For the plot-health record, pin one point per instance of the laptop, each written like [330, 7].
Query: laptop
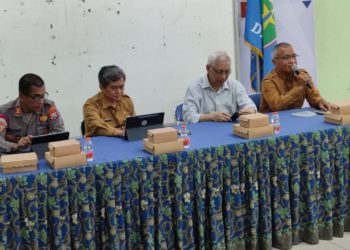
[40, 142]
[136, 126]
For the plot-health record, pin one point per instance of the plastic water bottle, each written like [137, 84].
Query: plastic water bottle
[185, 135]
[275, 121]
[89, 149]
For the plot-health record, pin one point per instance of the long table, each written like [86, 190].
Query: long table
[224, 192]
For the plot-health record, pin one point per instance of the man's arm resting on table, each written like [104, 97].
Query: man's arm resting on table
[224, 117]
[119, 132]
[313, 95]
[13, 147]
[324, 105]
[24, 141]
[217, 117]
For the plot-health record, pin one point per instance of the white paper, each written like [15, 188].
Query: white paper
[306, 113]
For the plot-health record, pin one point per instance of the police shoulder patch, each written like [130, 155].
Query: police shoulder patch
[3, 122]
[53, 113]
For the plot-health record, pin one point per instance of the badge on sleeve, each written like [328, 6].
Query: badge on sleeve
[3, 122]
[53, 114]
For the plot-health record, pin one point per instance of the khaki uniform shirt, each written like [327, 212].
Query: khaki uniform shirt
[102, 118]
[14, 123]
[278, 95]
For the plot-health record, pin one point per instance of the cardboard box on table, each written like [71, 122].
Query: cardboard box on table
[63, 148]
[64, 154]
[66, 161]
[162, 148]
[253, 120]
[340, 108]
[15, 163]
[162, 140]
[253, 132]
[337, 119]
[161, 135]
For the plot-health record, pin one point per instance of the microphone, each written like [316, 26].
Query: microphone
[296, 71]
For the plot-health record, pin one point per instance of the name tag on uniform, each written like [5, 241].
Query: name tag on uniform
[108, 120]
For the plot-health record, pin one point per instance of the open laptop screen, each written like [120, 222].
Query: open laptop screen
[40, 142]
[136, 126]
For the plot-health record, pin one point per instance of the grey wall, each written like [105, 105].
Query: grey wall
[162, 45]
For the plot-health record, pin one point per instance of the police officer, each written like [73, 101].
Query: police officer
[29, 115]
[106, 112]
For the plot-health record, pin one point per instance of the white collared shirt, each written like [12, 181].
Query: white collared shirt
[201, 98]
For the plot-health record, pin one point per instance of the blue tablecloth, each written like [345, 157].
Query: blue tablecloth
[223, 191]
[204, 135]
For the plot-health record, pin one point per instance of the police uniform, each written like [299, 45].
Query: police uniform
[102, 118]
[14, 123]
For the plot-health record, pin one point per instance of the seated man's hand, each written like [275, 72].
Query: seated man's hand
[119, 132]
[24, 141]
[303, 78]
[247, 111]
[324, 105]
[220, 117]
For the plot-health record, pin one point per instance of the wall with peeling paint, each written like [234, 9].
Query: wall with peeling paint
[162, 45]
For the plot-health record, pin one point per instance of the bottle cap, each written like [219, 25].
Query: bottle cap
[87, 139]
[275, 113]
[183, 126]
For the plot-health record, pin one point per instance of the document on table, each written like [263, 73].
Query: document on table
[305, 113]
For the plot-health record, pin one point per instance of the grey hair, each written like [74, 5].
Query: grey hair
[280, 45]
[218, 56]
[110, 74]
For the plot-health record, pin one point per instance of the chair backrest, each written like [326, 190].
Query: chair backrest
[178, 113]
[82, 127]
[256, 99]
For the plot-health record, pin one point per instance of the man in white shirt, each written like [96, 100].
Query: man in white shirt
[214, 97]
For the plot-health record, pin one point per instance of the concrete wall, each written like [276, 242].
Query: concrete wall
[332, 48]
[162, 45]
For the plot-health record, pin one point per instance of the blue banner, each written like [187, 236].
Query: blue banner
[260, 37]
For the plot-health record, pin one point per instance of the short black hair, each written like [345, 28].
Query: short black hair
[27, 81]
[110, 74]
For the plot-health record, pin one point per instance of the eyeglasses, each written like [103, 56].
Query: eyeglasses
[38, 97]
[221, 72]
[287, 57]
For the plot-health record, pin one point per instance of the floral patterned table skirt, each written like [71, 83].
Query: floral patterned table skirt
[271, 192]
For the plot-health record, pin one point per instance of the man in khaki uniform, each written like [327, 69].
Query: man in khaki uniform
[30, 114]
[282, 89]
[106, 112]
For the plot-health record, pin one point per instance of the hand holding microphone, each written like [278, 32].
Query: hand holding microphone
[297, 72]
